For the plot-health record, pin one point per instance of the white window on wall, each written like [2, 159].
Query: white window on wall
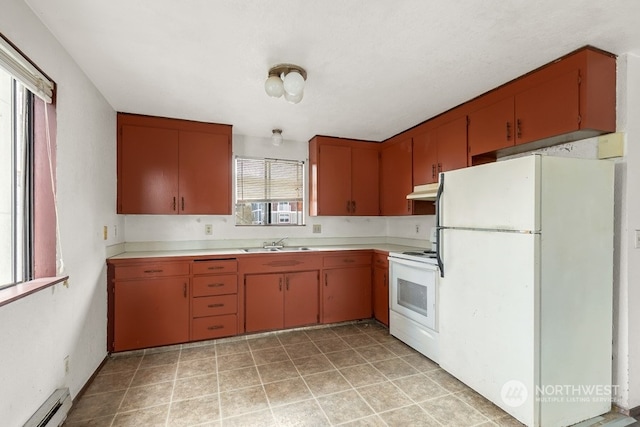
[27, 154]
[269, 192]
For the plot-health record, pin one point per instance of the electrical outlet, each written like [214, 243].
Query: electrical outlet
[417, 228]
[66, 365]
[317, 228]
[105, 232]
[208, 229]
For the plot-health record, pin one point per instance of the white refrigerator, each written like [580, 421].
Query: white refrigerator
[526, 250]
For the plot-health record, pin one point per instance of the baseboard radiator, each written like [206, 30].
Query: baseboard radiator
[53, 411]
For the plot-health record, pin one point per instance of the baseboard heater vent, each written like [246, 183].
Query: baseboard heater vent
[53, 412]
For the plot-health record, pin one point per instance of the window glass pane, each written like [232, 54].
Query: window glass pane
[15, 191]
[269, 192]
[6, 174]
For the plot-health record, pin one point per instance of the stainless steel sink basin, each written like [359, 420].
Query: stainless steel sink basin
[284, 249]
[295, 249]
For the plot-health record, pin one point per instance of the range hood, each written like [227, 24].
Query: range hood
[424, 192]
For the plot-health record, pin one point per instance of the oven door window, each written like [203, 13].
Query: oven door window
[414, 297]
[413, 292]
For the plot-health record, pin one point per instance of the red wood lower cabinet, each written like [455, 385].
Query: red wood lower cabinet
[151, 312]
[381, 288]
[276, 301]
[346, 294]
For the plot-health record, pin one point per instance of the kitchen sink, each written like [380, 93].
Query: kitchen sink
[295, 249]
[283, 249]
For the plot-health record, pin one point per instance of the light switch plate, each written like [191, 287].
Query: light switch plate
[317, 228]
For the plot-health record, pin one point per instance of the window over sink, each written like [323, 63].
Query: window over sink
[269, 191]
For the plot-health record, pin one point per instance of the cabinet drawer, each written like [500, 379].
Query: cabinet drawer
[214, 327]
[215, 266]
[347, 260]
[380, 260]
[215, 285]
[152, 270]
[214, 306]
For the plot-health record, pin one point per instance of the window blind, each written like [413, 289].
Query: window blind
[269, 180]
[22, 70]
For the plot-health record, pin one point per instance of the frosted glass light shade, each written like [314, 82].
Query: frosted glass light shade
[274, 87]
[294, 83]
[293, 99]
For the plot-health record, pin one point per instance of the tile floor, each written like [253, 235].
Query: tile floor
[351, 374]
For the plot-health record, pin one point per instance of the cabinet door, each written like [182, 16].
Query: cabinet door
[148, 170]
[396, 180]
[452, 145]
[364, 181]
[205, 173]
[381, 294]
[425, 158]
[549, 109]
[334, 180]
[301, 299]
[492, 128]
[264, 302]
[346, 294]
[149, 313]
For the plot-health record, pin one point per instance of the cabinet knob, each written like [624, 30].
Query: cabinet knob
[215, 285]
[215, 305]
[182, 202]
[508, 131]
[519, 128]
[174, 203]
[349, 206]
[214, 327]
[185, 290]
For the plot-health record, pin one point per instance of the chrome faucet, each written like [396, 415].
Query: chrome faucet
[275, 244]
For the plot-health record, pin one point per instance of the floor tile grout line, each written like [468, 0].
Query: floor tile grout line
[173, 388]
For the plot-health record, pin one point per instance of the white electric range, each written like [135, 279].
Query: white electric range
[413, 300]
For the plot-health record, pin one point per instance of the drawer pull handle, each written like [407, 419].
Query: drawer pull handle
[153, 271]
[215, 305]
[213, 328]
[215, 285]
[348, 260]
[217, 267]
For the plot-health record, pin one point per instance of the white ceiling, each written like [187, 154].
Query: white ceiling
[375, 67]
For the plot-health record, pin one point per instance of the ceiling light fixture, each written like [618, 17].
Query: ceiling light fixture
[276, 137]
[287, 80]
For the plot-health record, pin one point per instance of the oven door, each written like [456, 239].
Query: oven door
[412, 290]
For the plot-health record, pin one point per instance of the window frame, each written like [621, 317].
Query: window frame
[42, 237]
[271, 214]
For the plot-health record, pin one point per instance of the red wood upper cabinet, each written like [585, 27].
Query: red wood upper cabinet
[492, 127]
[205, 173]
[168, 166]
[396, 178]
[425, 158]
[343, 177]
[548, 109]
[148, 170]
[452, 144]
[438, 150]
[569, 99]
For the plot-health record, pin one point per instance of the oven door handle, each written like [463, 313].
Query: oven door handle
[439, 225]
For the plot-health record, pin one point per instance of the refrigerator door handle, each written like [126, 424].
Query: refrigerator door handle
[438, 225]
